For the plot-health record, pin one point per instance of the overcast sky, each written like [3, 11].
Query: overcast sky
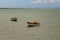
[29, 3]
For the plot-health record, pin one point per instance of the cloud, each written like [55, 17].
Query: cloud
[45, 1]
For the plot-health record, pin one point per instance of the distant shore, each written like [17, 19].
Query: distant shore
[29, 8]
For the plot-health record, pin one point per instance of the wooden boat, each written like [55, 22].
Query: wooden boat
[33, 24]
[13, 19]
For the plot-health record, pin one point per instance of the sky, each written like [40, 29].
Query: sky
[29, 3]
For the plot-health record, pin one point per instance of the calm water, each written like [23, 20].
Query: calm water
[49, 29]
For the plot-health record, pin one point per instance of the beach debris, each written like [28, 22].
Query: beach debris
[13, 19]
[33, 24]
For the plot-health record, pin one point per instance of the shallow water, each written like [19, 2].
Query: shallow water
[49, 28]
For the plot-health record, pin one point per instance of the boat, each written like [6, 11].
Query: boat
[33, 24]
